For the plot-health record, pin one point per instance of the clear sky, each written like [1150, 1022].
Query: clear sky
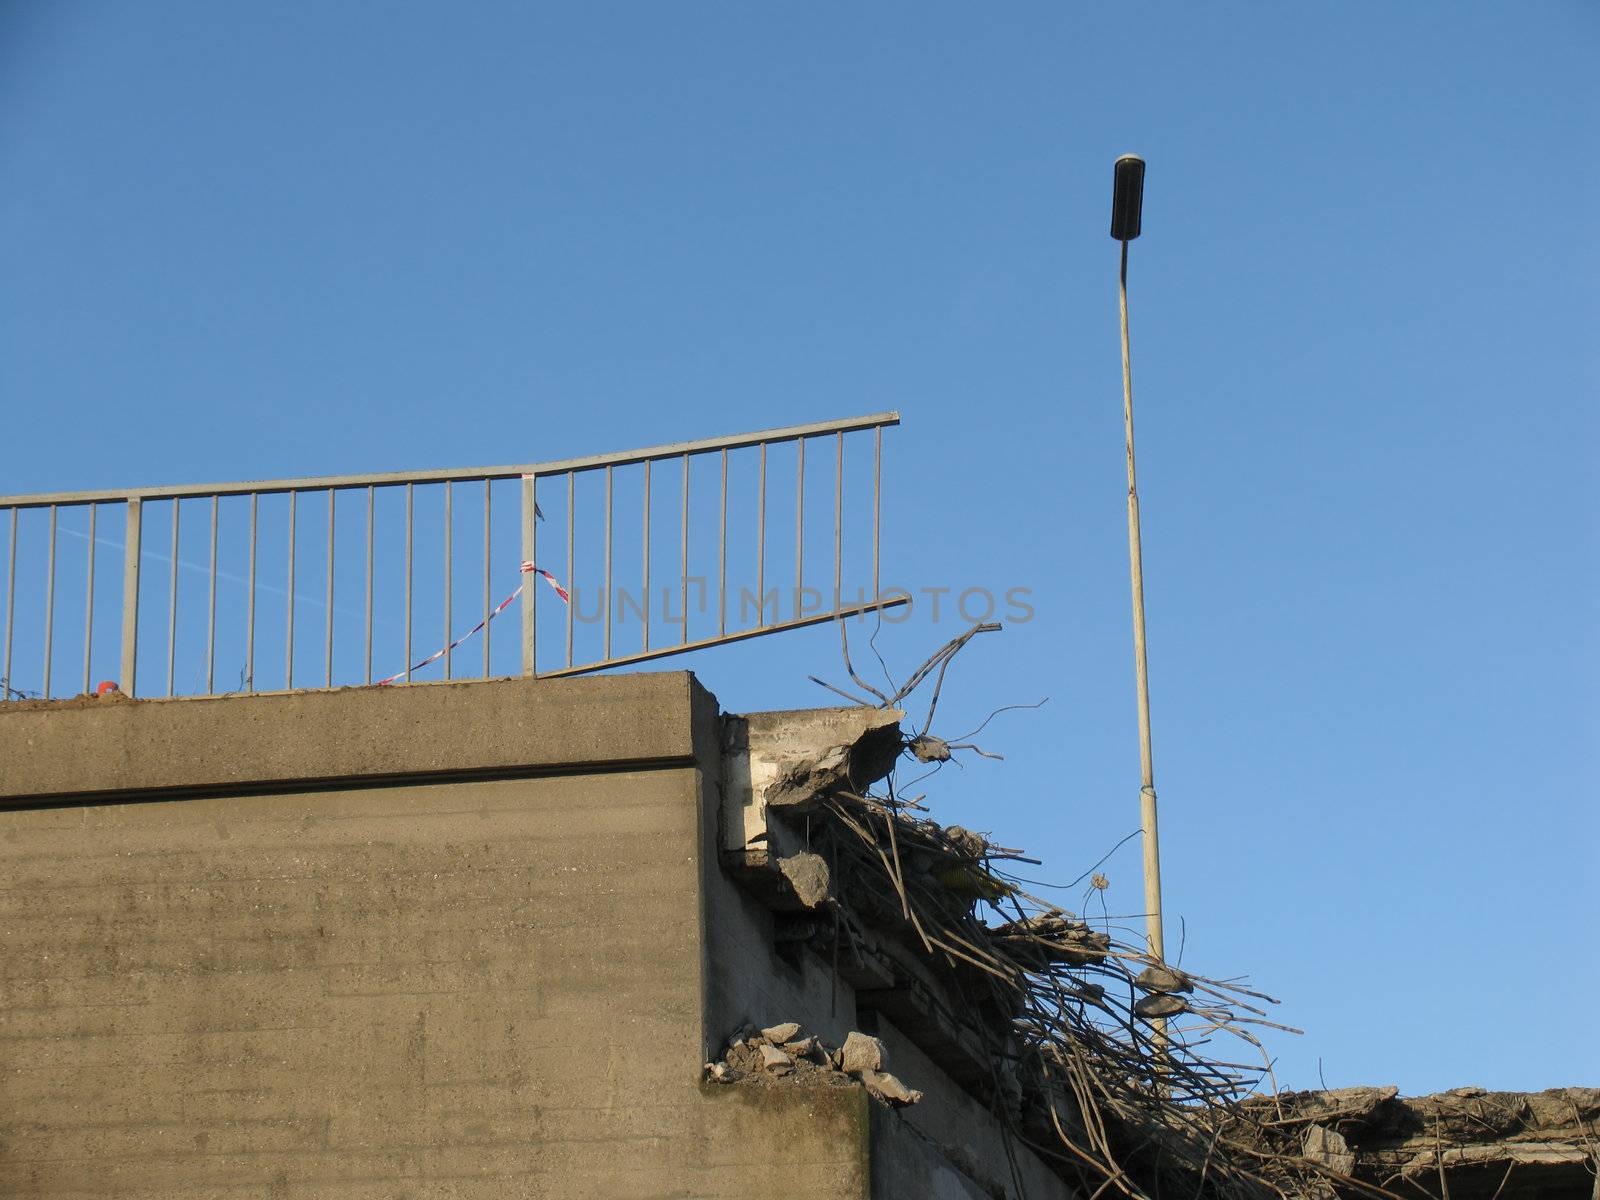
[247, 241]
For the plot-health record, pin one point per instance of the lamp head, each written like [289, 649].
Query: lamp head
[1127, 197]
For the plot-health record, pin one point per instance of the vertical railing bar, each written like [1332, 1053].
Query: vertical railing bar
[449, 568]
[211, 605]
[530, 595]
[683, 603]
[647, 554]
[799, 524]
[369, 584]
[877, 472]
[722, 554]
[11, 602]
[88, 602]
[288, 642]
[50, 603]
[838, 517]
[172, 594]
[250, 604]
[130, 597]
[606, 595]
[488, 490]
[571, 525]
[410, 496]
[327, 650]
[761, 541]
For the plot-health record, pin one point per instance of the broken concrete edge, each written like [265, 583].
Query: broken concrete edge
[784, 1052]
[792, 759]
[814, 755]
[1546, 1141]
[787, 762]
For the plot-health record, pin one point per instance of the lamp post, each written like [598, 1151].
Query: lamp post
[1126, 205]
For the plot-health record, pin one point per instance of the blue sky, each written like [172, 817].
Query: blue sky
[244, 242]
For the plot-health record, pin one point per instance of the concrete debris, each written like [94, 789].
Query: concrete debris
[805, 1047]
[1161, 978]
[1057, 937]
[890, 1090]
[1159, 1005]
[1514, 1145]
[860, 1053]
[815, 754]
[780, 1056]
[928, 748]
[1326, 1146]
[966, 843]
[808, 875]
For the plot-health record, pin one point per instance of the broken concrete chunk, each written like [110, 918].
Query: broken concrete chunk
[889, 1089]
[1159, 1005]
[805, 1047]
[808, 875]
[723, 1073]
[826, 750]
[1159, 977]
[1070, 941]
[928, 748]
[1327, 1147]
[745, 1033]
[861, 1053]
[779, 1034]
[776, 1061]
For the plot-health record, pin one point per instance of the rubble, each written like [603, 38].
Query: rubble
[808, 877]
[783, 1055]
[861, 1053]
[1158, 977]
[1477, 1144]
[890, 1090]
[1094, 1053]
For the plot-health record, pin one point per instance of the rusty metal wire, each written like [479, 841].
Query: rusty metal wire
[1067, 1011]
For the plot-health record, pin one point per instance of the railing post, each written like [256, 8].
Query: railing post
[530, 594]
[130, 598]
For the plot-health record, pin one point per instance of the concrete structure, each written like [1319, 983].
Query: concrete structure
[446, 940]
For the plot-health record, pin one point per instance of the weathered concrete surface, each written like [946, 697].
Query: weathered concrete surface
[1471, 1143]
[224, 742]
[460, 941]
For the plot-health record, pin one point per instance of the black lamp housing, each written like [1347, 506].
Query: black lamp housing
[1127, 198]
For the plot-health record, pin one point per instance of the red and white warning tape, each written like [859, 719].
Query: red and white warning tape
[528, 568]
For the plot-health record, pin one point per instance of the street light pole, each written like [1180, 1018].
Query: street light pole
[1127, 203]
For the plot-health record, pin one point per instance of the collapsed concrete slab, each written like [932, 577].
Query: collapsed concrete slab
[1466, 1143]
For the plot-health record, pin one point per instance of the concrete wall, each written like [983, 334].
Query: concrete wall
[440, 941]
[485, 985]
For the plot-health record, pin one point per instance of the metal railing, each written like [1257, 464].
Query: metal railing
[391, 518]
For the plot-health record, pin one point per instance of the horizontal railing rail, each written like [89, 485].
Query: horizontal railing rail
[560, 505]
